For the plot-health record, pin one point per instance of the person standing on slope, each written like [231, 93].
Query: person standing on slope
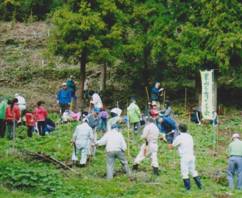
[134, 115]
[184, 142]
[82, 139]
[235, 162]
[150, 147]
[115, 149]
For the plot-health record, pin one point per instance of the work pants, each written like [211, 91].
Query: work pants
[2, 128]
[30, 130]
[111, 157]
[41, 127]
[11, 129]
[149, 150]
[188, 166]
[235, 169]
[83, 152]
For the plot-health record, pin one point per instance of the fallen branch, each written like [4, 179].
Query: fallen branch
[48, 158]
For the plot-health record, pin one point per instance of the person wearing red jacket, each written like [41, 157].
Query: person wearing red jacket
[12, 117]
[40, 114]
[29, 121]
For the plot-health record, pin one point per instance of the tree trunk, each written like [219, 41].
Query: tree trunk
[198, 89]
[83, 61]
[103, 77]
[146, 66]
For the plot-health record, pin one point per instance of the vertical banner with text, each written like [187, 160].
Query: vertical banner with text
[208, 94]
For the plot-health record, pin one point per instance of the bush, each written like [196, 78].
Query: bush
[27, 178]
[21, 10]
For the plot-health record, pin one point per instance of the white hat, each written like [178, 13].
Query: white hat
[153, 103]
[64, 84]
[117, 111]
[16, 95]
[235, 135]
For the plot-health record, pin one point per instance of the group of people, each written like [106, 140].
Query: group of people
[158, 125]
[14, 112]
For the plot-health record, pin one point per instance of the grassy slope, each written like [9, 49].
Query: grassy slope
[20, 51]
[91, 182]
[26, 65]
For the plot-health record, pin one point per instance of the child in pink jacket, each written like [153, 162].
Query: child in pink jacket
[40, 114]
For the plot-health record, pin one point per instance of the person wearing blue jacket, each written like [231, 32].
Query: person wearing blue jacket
[64, 98]
[169, 127]
[155, 93]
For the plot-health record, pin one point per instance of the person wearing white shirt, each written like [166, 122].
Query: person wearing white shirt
[96, 101]
[150, 147]
[21, 102]
[82, 138]
[115, 117]
[115, 148]
[184, 142]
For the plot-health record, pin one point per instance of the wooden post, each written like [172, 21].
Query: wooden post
[216, 130]
[185, 104]
[128, 146]
[164, 98]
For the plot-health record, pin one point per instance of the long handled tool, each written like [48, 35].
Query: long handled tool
[148, 100]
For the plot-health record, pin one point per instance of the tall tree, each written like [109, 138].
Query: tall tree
[200, 35]
[75, 34]
[87, 31]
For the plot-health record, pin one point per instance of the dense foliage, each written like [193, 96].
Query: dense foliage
[23, 10]
[156, 39]
[149, 39]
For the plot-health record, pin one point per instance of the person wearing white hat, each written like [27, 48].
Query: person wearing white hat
[115, 114]
[81, 140]
[96, 101]
[235, 162]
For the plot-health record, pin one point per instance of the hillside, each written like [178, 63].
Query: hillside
[129, 45]
[24, 67]
[23, 176]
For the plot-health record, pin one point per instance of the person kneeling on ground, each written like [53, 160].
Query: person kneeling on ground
[184, 142]
[81, 140]
[115, 148]
[150, 147]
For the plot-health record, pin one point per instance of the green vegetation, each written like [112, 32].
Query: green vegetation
[24, 176]
[158, 38]
[130, 43]
[27, 10]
